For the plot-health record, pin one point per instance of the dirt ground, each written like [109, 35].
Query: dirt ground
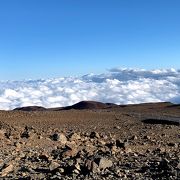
[145, 127]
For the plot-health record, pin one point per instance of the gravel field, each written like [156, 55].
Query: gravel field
[114, 142]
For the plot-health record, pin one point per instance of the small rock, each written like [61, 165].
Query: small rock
[105, 163]
[18, 146]
[61, 170]
[120, 144]
[178, 166]
[128, 150]
[77, 166]
[114, 149]
[75, 137]
[161, 149]
[134, 137]
[70, 153]
[40, 137]
[7, 170]
[25, 134]
[117, 127]
[70, 163]
[62, 138]
[172, 144]
[101, 142]
[44, 157]
[53, 165]
[55, 137]
[163, 135]
[2, 134]
[90, 149]
[105, 137]
[71, 144]
[1, 164]
[76, 171]
[88, 164]
[147, 137]
[94, 135]
[94, 167]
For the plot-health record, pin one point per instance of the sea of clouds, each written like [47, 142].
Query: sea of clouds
[120, 86]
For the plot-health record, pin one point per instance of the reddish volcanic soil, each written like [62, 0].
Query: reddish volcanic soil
[110, 142]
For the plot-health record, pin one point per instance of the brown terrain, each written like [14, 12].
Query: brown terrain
[91, 140]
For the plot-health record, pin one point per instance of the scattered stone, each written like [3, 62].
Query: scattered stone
[128, 150]
[134, 137]
[7, 170]
[40, 137]
[2, 134]
[75, 137]
[94, 135]
[53, 165]
[88, 164]
[147, 137]
[120, 144]
[117, 127]
[44, 157]
[76, 171]
[61, 170]
[25, 134]
[102, 142]
[114, 149]
[77, 166]
[94, 167]
[172, 144]
[105, 163]
[62, 138]
[75, 154]
[161, 149]
[70, 153]
[178, 166]
[55, 137]
[1, 164]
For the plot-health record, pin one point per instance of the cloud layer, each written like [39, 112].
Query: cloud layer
[120, 86]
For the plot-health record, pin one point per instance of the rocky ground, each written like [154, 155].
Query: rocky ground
[118, 142]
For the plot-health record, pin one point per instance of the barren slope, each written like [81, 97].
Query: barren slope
[126, 136]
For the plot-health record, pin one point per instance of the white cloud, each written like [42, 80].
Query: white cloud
[121, 86]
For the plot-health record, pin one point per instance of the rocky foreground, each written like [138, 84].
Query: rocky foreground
[106, 144]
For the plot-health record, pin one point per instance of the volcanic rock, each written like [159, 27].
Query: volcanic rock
[53, 165]
[105, 163]
[9, 168]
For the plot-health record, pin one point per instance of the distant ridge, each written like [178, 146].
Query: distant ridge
[82, 105]
[90, 105]
[78, 106]
[30, 108]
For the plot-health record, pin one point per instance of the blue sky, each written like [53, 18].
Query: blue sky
[50, 38]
